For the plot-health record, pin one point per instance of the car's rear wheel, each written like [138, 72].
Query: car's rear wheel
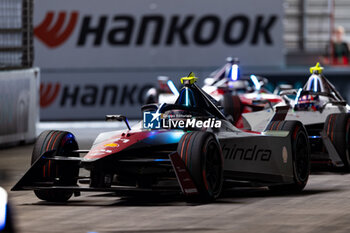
[232, 106]
[337, 127]
[53, 171]
[202, 156]
[300, 155]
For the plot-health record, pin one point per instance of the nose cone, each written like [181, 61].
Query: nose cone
[115, 144]
[164, 137]
[124, 141]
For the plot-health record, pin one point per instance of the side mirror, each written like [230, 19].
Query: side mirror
[118, 118]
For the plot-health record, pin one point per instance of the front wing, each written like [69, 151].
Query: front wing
[32, 180]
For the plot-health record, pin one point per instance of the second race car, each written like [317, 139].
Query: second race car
[325, 114]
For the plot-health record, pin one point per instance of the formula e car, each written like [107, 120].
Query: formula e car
[235, 93]
[189, 147]
[325, 114]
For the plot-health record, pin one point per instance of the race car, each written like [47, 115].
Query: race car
[235, 93]
[325, 114]
[187, 147]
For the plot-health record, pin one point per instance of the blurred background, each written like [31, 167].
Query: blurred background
[79, 60]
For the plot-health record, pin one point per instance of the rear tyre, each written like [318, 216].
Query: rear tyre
[337, 127]
[53, 171]
[202, 156]
[232, 106]
[300, 155]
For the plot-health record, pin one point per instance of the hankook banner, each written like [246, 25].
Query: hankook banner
[156, 33]
[85, 96]
[99, 56]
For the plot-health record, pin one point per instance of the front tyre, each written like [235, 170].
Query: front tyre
[53, 171]
[202, 156]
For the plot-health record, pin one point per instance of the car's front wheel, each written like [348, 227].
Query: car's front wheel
[202, 156]
[56, 172]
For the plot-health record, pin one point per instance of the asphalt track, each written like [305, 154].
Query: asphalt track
[324, 206]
